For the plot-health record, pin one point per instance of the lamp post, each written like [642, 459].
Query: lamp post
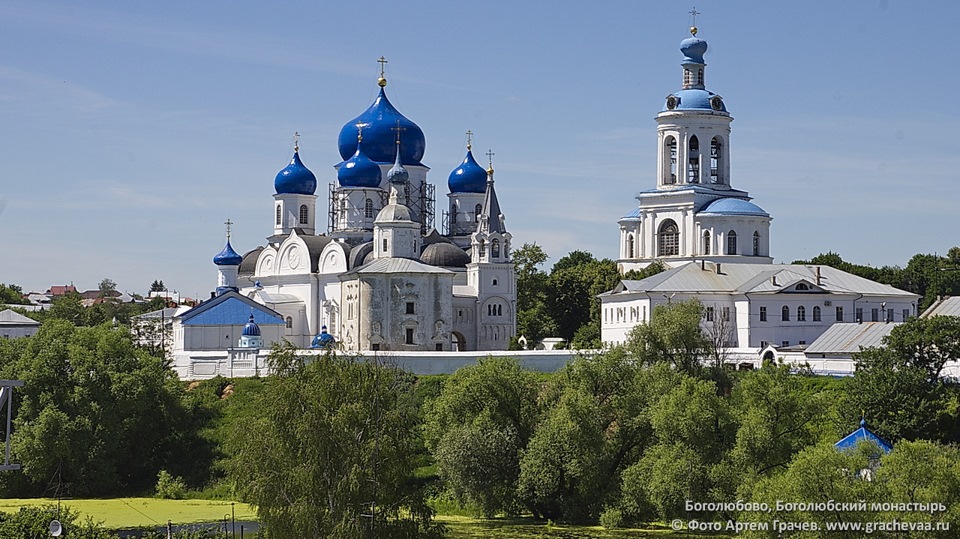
[233, 520]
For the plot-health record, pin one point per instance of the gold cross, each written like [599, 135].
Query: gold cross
[490, 155]
[693, 14]
[296, 141]
[383, 62]
[228, 223]
[398, 129]
[469, 139]
[360, 127]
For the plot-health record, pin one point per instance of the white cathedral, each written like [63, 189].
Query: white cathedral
[715, 243]
[380, 277]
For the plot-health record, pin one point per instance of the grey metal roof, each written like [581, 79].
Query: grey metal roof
[9, 317]
[849, 338]
[396, 265]
[733, 278]
[949, 306]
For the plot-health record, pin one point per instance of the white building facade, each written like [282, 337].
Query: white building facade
[380, 277]
[715, 243]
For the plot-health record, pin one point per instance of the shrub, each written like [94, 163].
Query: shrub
[170, 487]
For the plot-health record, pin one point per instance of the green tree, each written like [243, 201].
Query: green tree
[673, 335]
[94, 411]
[477, 429]
[11, 294]
[107, 288]
[157, 286]
[534, 321]
[332, 451]
[899, 386]
[596, 426]
[575, 282]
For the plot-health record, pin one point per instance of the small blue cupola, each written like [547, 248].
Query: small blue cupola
[227, 257]
[359, 170]
[379, 123]
[250, 335]
[853, 439]
[398, 174]
[469, 177]
[295, 178]
[323, 340]
[251, 329]
[693, 49]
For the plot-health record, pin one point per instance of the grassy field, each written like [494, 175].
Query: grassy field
[119, 513]
[132, 512]
[472, 528]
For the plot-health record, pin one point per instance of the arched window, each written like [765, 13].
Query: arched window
[816, 313]
[731, 243]
[476, 213]
[384, 244]
[630, 246]
[756, 243]
[706, 242]
[716, 153]
[669, 236]
[801, 314]
[671, 157]
[495, 248]
[368, 209]
[289, 322]
[483, 248]
[304, 214]
[802, 286]
[279, 215]
[453, 215]
[693, 161]
[785, 314]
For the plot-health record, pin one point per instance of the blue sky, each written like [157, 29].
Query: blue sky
[130, 131]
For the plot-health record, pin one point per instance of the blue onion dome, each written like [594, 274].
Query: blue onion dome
[469, 177]
[693, 49]
[379, 123]
[251, 329]
[398, 174]
[228, 257]
[295, 178]
[359, 170]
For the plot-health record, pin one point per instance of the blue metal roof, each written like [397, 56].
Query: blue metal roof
[694, 99]
[635, 214]
[469, 177]
[230, 309]
[693, 49]
[732, 206]
[851, 440]
[295, 178]
[379, 123]
[227, 257]
[359, 170]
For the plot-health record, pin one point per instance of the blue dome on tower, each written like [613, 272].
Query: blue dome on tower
[228, 257]
[379, 123]
[359, 170]
[469, 177]
[693, 49]
[398, 174]
[733, 206]
[295, 178]
[251, 329]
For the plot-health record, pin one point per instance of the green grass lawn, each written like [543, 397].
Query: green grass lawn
[133, 512]
[460, 527]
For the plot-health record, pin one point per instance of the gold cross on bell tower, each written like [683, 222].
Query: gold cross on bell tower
[228, 223]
